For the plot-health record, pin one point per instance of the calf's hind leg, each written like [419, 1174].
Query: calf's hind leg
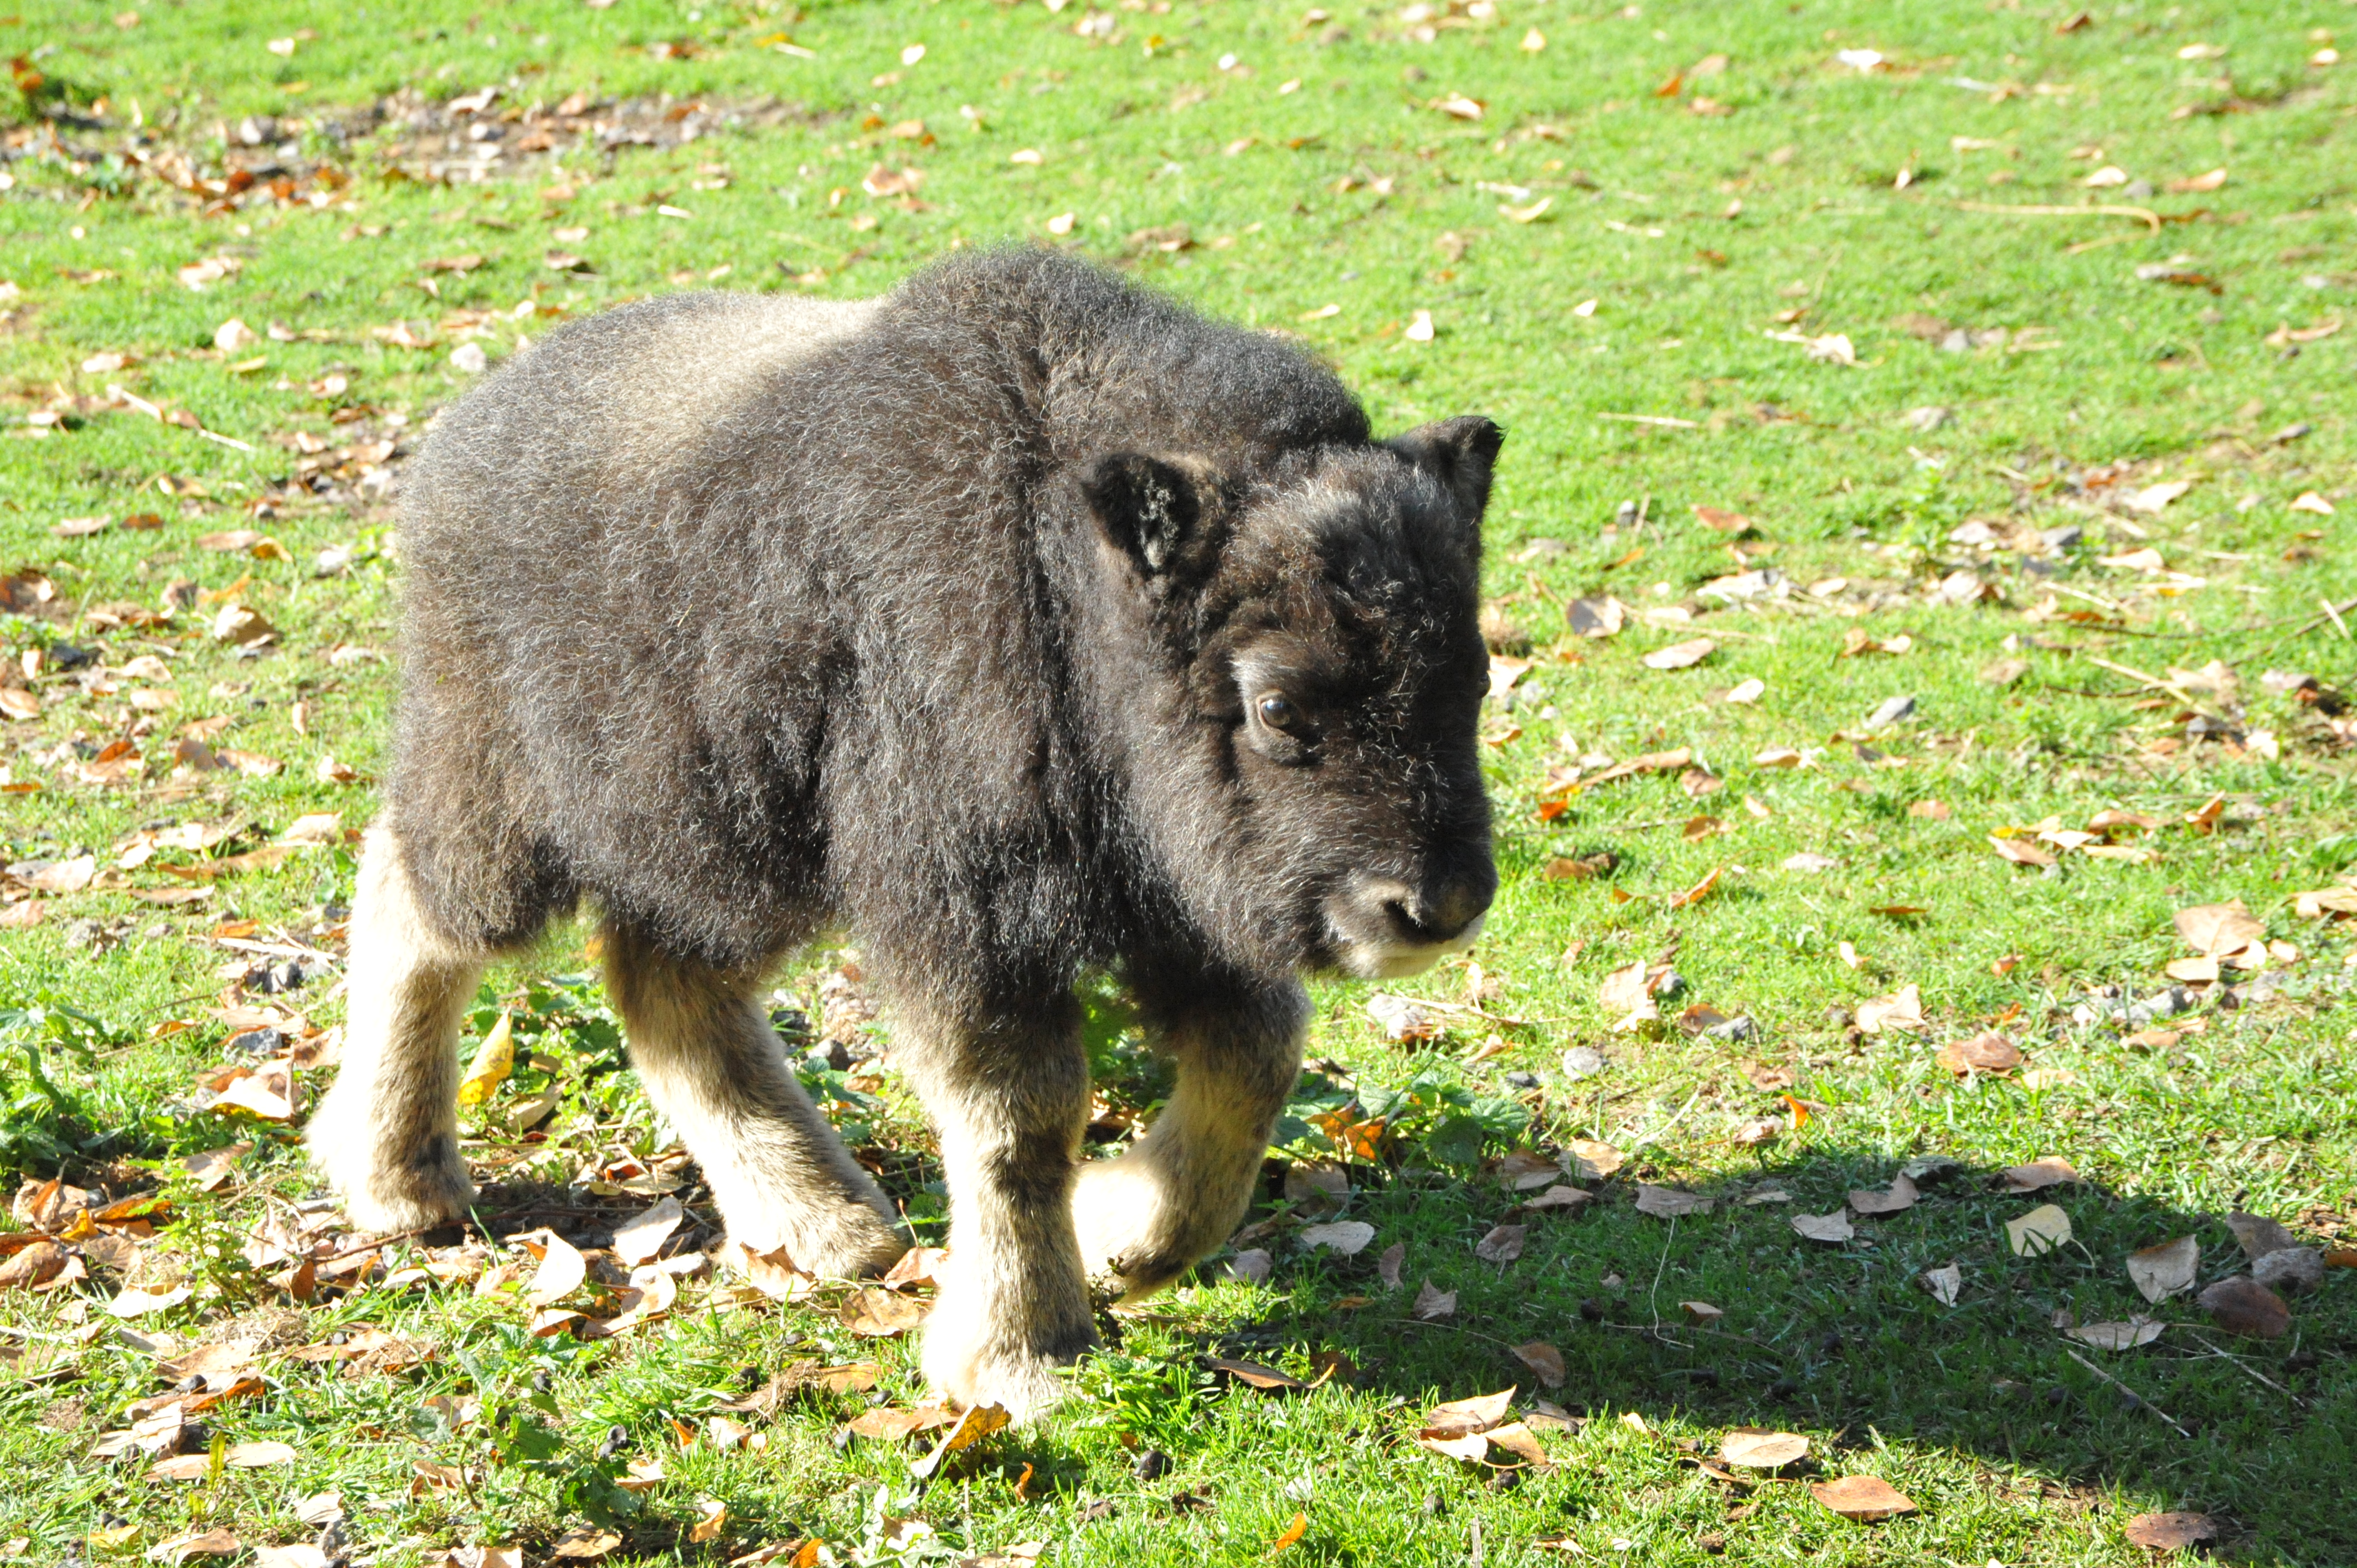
[715, 1070]
[1147, 1216]
[387, 1134]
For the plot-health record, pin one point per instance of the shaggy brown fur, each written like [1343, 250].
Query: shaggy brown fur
[1018, 622]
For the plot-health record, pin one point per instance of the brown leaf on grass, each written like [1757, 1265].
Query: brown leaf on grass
[1720, 522]
[2169, 1532]
[1503, 1244]
[1524, 1171]
[2037, 1232]
[1433, 1304]
[1758, 1448]
[919, 1268]
[1559, 1197]
[1896, 1198]
[1478, 1414]
[1681, 655]
[1699, 891]
[1387, 1266]
[562, 1268]
[2243, 1306]
[643, 1238]
[584, 1543]
[2163, 1270]
[1674, 761]
[1669, 1202]
[156, 1434]
[1862, 1498]
[2126, 1336]
[774, 1274]
[34, 1264]
[2259, 1235]
[1596, 617]
[1987, 1052]
[2039, 1175]
[1901, 1010]
[211, 1168]
[711, 1515]
[1594, 1161]
[892, 1425]
[971, 1428]
[1832, 1227]
[1254, 1375]
[2021, 852]
[196, 1544]
[1545, 1361]
[878, 1313]
[2215, 931]
[1343, 1238]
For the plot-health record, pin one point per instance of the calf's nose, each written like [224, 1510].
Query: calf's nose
[1442, 909]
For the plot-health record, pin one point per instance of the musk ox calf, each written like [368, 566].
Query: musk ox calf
[1015, 623]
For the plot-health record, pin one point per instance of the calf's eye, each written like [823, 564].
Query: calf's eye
[1277, 713]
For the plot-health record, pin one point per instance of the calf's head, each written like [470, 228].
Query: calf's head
[1305, 752]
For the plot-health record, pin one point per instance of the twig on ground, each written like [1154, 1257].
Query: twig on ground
[2138, 1398]
[2247, 1367]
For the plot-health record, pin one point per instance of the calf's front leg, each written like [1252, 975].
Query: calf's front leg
[1148, 1215]
[1009, 1098]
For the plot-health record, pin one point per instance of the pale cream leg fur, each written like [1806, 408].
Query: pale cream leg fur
[1014, 1303]
[719, 1073]
[1145, 1216]
[387, 1134]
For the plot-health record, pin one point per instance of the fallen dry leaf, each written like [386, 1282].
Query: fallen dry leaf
[1593, 1161]
[1896, 1198]
[1681, 655]
[643, 1238]
[195, 1543]
[586, 1543]
[2125, 1335]
[2161, 1272]
[1669, 1202]
[562, 1270]
[1545, 1361]
[2259, 1235]
[1432, 1305]
[1292, 1533]
[1902, 1010]
[1988, 1052]
[1862, 1498]
[2243, 1306]
[1832, 1227]
[1388, 1266]
[1343, 1238]
[1253, 1374]
[2169, 1532]
[1757, 1448]
[1944, 1283]
[2039, 1175]
[2213, 930]
[2037, 1232]
[1503, 1244]
[879, 1313]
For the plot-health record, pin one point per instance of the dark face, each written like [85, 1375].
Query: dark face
[1333, 672]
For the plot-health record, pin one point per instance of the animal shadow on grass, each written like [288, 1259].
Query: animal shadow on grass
[1846, 1338]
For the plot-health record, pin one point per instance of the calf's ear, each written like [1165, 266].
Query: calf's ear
[1145, 506]
[1461, 452]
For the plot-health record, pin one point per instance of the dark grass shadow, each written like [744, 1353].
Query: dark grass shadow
[1845, 1340]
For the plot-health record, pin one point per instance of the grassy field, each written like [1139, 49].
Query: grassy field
[1930, 465]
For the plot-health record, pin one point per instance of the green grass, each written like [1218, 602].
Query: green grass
[1692, 232]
